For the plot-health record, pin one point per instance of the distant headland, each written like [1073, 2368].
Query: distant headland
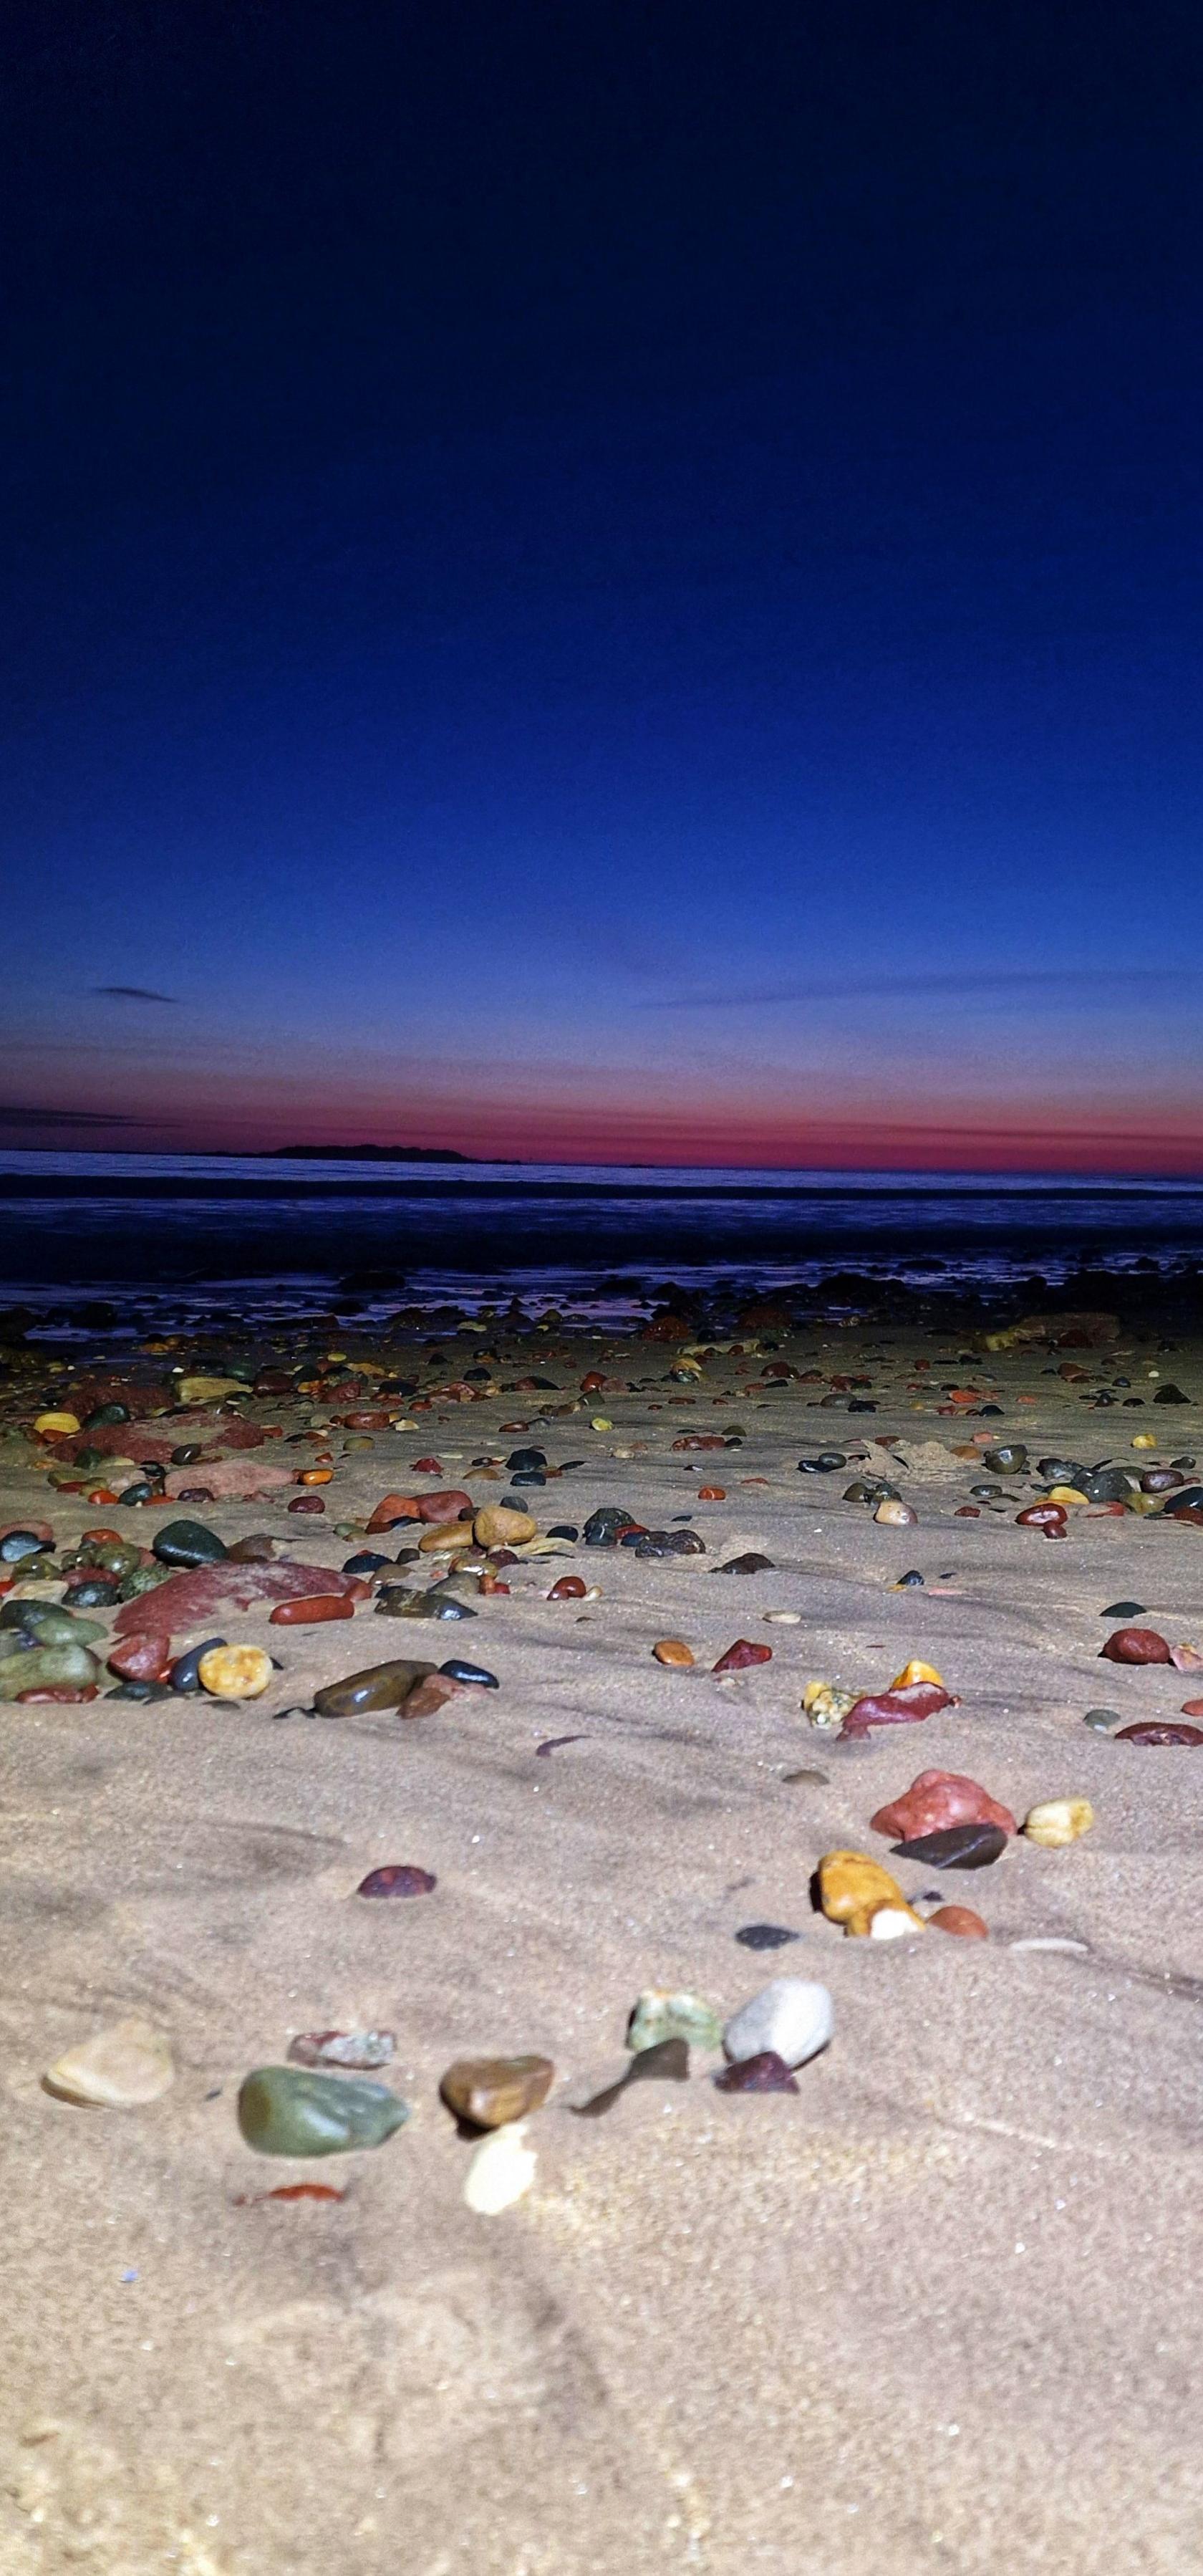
[366, 1154]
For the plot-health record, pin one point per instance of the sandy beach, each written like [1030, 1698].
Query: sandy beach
[935, 2312]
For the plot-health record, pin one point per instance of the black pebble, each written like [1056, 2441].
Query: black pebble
[956, 1847]
[459, 1671]
[1123, 1610]
[765, 1936]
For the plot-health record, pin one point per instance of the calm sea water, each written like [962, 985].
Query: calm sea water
[179, 1234]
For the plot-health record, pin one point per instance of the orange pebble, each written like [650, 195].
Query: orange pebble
[712, 1493]
[314, 1607]
[315, 1476]
[960, 1919]
[672, 1650]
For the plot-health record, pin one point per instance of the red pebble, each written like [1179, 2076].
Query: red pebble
[960, 1919]
[1157, 1731]
[397, 1878]
[450, 1506]
[740, 1655]
[61, 1695]
[935, 1800]
[1041, 1516]
[569, 1588]
[897, 1707]
[395, 1507]
[145, 1657]
[308, 1613]
[289, 2191]
[717, 1493]
[307, 1503]
[1192, 1708]
[967, 1512]
[766, 2073]
[428, 1466]
[1135, 1646]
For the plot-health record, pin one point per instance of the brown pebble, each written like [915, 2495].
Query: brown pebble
[489, 2091]
[766, 2073]
[960, 1919]
[672, 1650]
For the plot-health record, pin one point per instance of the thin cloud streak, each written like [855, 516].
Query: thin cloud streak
[132, 993]
[827, 985]
[20, 1116]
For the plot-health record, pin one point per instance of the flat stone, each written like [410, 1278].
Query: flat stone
[764, 2073]
[119, 2070]
[376, 1686]
[286, 2111]
[662, 2013]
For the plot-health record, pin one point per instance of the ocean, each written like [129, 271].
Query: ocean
[176, 1237]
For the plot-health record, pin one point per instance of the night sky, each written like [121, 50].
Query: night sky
[614, 582]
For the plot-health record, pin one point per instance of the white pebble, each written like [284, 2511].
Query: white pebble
[790, 2016]
[501, 2171]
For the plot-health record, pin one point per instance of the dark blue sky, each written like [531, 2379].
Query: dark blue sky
[606, 580]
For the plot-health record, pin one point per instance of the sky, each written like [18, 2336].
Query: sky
[605, 582]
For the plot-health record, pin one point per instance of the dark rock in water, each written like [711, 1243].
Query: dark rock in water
[188, 1544]
[666, 2062]
[477, 1675]
[766, 2073]
[398, 1878]
[376, 1686]
[751, 1562]
[956, 1847]
[1124, 1610]
[1158, 1731]
[765, 1936]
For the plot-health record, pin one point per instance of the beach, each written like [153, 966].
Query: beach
[932, 2311]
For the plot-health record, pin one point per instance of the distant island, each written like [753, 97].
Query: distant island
[366, 1154]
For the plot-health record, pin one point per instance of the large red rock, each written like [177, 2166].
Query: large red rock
[186, 1598]
[1136, 1646]
[897, 1707]
[937, 1799]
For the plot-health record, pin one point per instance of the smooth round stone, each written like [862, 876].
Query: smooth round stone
[351, 2048]
[764, 2073]
[119, 2070]
[289, 2111]
[1165, 1731]
[490, 2092]
[971, 1846]
[188, 1544]
[235, 1672]
[1009, 1459]
[377, 1686]
[477, 1676]
[1135, 1646]
[398, 1878]
[1058, 1822]
[1064, 1471]
[751, 1562]
[17, 1544]
[398, 1602]
[1110, 1485]
[48, 1668]
[765, 1936]
[826, 1464]
[790, 2018]
[1101, 1720]
[47, 1624]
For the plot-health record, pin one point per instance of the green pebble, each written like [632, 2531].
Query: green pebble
[50, 1625]
[658, 2016]
[1101, 1720]
[188, 1544]
[377, 1686]
[48, 1668]
[286, 2111]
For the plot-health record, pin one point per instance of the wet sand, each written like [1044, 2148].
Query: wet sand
[936, 2313]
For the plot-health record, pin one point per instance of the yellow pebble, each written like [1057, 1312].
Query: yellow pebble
[209, 1390]
[917, 1672]
[51, 1423]
[1058, 1822]
[1144, 1440]
[672, 1650]
[235, 1672]
[498, 1525]
[600, 1422]
[1065, 1494]
[894, 1514]
[853, 1888]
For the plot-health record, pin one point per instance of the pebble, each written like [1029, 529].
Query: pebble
[937, 1800]
[662, 2013]
[47, 1668]
[119, 2070]
[498, 1526]
[313, 1611]
[1155, 1731]
[1102, 1720]
[492, 2092]
[286, 2111]
[738, 1657]
[960, 1920]
[672, 1650]
[972, 1846]
[751, 1562]
[791, 2017]
[853, 1889]
[1058, 1821]
[235, 1672]
[895, 1514]
[765, 1936]
[765, 2073]
[1136, 1646]
[188, 1544]
[398, 1878]
[377, 1686]
[501, 2172]
[350, 2048]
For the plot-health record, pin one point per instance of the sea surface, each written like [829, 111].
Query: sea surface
[178, 1237]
